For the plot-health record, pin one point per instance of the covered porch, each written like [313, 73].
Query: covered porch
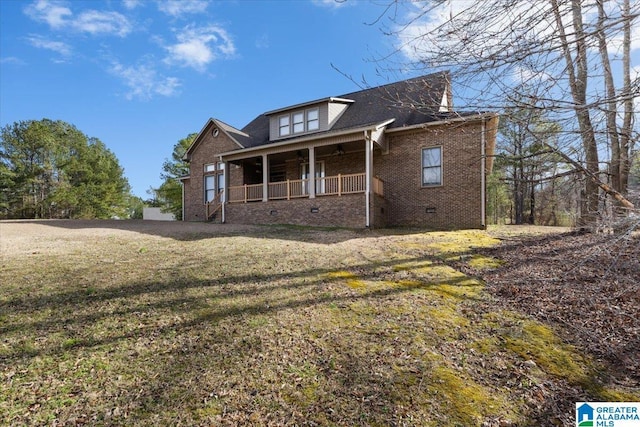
[302, 176]
[338, 185]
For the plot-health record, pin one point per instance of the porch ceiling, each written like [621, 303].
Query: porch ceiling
[320, 152]
[326, 142]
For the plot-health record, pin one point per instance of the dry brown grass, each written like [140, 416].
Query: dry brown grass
[140, 323]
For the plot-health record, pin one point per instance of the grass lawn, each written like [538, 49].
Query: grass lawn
[137, 323]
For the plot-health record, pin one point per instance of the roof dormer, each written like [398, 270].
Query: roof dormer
[307, 118]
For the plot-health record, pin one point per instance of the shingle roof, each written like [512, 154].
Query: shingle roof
[409, 102]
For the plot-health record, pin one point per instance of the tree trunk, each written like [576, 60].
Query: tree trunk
[577, 71]
[610, 104]
[532, 205]
[626, 142]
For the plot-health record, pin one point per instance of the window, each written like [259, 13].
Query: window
[213, 180]
[209, 188]
[284, 125]
[432, 166]
[312, 120]
[220, 182]
[304, 174]
[298, 122]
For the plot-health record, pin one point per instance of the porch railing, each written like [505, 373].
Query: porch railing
[291, 189]
[245, 193]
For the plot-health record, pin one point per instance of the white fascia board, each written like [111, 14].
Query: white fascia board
[252, 151]
[221, 126]
[306, 104]
[473, 118]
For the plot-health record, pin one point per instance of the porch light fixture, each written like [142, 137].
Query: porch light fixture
[339, 151]
[300, 156]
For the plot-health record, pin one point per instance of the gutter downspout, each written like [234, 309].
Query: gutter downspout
[225, 190]
[182, 187]
[483, 178]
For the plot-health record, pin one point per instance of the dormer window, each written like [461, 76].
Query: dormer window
[313, 122]
[299, 122]
[284, 125]
[310, 117]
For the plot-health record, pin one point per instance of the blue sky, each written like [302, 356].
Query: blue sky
[141, 74]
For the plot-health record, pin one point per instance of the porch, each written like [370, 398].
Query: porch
[299, 188]
[289, 181]
[327, 187]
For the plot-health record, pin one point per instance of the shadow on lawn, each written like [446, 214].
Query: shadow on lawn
[205, 319]
[76, 301]
[213, 323]
[192, 231]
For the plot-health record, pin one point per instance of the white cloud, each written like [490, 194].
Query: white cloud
[54, 13]
[131, 4]
[332, 4]
[59, 47]
[144, 82]
[59, 17]
[96, 22]
[198, 47]
[177, 8]
[12, 60]
[491, 27]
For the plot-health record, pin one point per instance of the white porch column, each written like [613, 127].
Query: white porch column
[368, 173]
[183, 207]
[265, 178]
[312, 172]
[225, 190]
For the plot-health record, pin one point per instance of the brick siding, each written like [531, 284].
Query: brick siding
[207, 151]
[454, 204]
[328, 211]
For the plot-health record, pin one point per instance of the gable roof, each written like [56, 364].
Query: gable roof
[398, 105]
[409, 102]
[237, 136]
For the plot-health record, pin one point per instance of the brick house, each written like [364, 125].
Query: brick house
[393, 155]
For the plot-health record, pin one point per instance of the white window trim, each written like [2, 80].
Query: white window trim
[291, 123]
[308, 120]
[295, 123]
[281, 126]
[422, 167]
[207, 189]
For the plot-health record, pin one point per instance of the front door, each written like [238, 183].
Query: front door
[319, 174]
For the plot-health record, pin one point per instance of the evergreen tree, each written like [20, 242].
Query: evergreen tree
[52, 170]
[169, 194]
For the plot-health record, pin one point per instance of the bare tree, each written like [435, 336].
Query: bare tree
[527, 163]
[571, 58]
